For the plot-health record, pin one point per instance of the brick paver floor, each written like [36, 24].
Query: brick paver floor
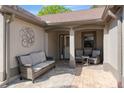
[62, 76]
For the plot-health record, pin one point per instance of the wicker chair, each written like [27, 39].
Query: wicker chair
[95, 58]
[78, 55]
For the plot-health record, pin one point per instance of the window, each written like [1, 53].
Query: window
[89, 40]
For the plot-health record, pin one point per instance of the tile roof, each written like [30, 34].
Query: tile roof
[66, 18]
[82, 15]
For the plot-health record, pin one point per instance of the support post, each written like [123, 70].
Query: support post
[72, 48]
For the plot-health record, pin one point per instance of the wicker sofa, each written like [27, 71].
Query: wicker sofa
[34, 64]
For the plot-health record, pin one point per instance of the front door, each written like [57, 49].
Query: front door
[64, 46]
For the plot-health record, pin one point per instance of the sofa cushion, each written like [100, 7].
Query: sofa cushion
[50, 62]
[36, 57]
[27, 59]
[42, 65]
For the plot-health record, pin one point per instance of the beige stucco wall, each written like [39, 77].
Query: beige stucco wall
[99, 39]
[16, 47]
[53, 41]
[78, 41]
[112, 50]
[113, 44]
[52, 44]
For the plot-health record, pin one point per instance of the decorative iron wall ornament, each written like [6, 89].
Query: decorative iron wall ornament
[27, 36]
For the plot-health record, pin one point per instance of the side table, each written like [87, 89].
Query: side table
[85, 58]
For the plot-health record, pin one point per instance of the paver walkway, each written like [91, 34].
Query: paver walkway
[94, 77]
[64, 77]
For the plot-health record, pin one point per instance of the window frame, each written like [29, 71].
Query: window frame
[82, 38]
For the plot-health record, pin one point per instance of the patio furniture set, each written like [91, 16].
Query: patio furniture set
[88, 56]
[34, 64]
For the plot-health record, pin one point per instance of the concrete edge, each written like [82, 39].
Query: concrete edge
[5, 84]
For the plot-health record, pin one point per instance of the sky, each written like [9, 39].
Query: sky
[35, 8]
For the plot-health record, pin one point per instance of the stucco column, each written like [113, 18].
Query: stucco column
[46, 43]
[72, 48]
[2, 49]
[119, 50]
[105, 43]
[8, 19]
[123, 47]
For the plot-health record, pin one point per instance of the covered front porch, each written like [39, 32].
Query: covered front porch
[68, 32]
[64, 41]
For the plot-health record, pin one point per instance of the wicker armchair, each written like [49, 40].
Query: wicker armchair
[78, 54]
[95, 58]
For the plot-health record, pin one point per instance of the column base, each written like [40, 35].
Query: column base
[2, 76]
[120, 84]
[72, 64]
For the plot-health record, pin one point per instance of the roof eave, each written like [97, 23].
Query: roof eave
[23, 14]
[108, 13]
[99, 20]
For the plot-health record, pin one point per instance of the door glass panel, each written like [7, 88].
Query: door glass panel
[61, 42]
[66, 51]
[67, 41]
[64, 46]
